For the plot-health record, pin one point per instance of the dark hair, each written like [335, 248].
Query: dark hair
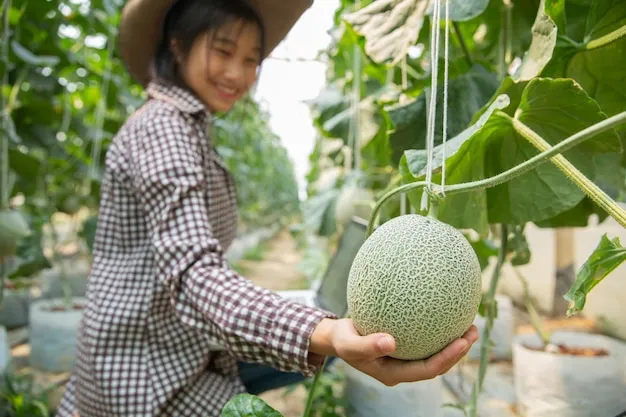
[188, 19]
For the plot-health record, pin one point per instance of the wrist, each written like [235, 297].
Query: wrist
[321, 341]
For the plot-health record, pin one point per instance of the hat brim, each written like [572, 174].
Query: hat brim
[140, 29]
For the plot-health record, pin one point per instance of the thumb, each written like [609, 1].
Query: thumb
[376, 345]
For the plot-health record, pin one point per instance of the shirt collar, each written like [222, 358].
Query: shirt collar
[182, 99]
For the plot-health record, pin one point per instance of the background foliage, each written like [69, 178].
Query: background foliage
[560, 62]
[65, 94]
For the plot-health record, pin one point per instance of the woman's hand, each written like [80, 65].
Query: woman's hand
[369, 353]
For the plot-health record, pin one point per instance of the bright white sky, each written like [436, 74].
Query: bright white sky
[284, 85]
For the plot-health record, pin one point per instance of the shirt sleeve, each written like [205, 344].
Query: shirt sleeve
[253, 323]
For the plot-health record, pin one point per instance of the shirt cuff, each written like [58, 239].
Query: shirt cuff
[293, 331]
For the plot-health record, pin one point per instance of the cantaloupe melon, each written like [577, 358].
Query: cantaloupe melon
[417, 279]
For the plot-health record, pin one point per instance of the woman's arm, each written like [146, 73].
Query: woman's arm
[255, 324]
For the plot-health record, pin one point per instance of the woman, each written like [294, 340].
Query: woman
[160, 291]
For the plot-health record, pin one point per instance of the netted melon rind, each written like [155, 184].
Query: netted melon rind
[417, 279]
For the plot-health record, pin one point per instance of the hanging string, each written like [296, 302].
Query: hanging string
[354, 134]
[405, 85]
[4, 151]
[445, 98]
[432, 103]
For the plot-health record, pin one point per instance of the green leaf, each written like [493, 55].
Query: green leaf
[247, 405]
[466, 95]
[554, 109]
[29, 257]
[484, 249]
[25, 165]
[488, 306]
[390, 27]
[32, 59]
[319, 212]
[369, 122]
[518, 246]
[608, 255]
[544, 41]
[600, 70]
[555, 9]
[417, 159]
[461, 10]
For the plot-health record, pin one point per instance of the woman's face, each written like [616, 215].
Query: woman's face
[222, 65]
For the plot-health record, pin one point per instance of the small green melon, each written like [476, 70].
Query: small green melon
[417, 279]
[13, 228]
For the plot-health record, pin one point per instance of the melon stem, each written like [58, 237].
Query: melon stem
[433, 210]
[311, 396]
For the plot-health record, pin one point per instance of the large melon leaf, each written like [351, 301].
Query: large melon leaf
[461, 10]
[390, 27]
[593, 51]
[247, 405]
[467, 94]
[555, 109]
[544, 39]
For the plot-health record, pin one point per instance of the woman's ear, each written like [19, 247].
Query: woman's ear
[175, 48]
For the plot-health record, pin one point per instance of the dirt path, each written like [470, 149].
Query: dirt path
[276, 268]
[275, 264]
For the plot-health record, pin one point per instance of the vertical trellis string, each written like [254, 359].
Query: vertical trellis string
[445, 98]
[432, 102]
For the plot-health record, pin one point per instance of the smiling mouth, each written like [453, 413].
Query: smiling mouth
[226, 92]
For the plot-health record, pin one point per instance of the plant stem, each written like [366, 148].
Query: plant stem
[592, 190]
[309, 401]
[4, 140]
[485, 338]
[606, 39]
[4, 144]
[535, 320]
[66, 287]
[459, 35]
[3, 276]
[433, 210]
[520, 169]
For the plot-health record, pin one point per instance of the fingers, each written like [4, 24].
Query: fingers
[367, 348]
[471, 335]
[352, 346]
[392, 372]
[409, 371]
[441, 362]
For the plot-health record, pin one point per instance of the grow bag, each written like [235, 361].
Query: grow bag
[53, 335]
[561, 385]
[77, 277]
[5, 351]
[14, 308]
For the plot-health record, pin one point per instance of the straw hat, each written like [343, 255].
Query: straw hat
[141, 20]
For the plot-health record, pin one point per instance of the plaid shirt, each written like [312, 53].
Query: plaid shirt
[160, 289]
